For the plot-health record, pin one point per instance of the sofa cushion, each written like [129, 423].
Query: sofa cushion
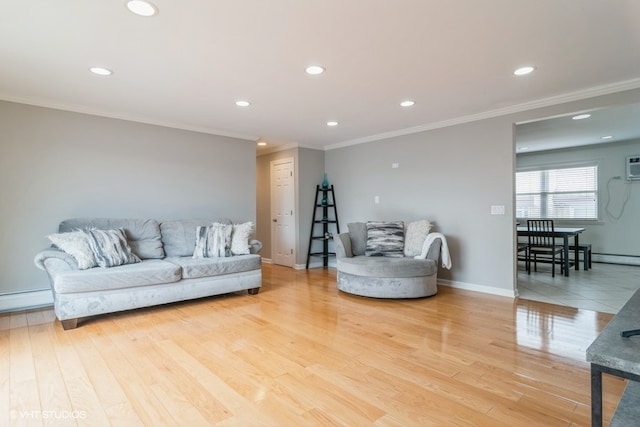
[385, 238]
[179, 236]
[146, 273]
[206, 267]
[387, 267]
[143, 235]
[358, 234]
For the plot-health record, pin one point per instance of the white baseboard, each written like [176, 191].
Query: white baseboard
[510, 293]
[26, 300]
[316, 264]
[616, 259]
[267, 261]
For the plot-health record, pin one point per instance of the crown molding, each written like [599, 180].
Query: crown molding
[532, 105]
[75, 108]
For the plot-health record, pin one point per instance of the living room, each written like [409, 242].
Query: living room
[60, 158]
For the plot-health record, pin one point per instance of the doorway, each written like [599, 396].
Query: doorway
[282, 212]
[563, 141]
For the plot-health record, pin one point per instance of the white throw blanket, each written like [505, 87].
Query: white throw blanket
[444, 249]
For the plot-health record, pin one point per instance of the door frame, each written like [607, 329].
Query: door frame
[272, 215]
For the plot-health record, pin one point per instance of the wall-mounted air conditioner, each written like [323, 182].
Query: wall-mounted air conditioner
[633, 168]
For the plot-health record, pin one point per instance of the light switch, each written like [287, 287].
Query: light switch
[395, 165]
[376, 199]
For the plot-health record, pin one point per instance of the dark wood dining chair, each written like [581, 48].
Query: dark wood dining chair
[524, 247]
[542, 242]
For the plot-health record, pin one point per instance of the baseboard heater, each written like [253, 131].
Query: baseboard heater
[615, 259]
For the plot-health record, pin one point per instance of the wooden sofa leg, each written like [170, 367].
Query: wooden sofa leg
[69, 324]
[254, 291]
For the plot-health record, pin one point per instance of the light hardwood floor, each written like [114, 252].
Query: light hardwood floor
[300, 353]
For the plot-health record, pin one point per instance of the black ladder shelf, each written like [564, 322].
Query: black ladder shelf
[325, 218]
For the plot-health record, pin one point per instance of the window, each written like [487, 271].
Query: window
[568, 193]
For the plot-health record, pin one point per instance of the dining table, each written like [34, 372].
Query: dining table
[564, 233]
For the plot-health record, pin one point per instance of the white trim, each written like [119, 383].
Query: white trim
[541, 103]
[266, 260]
[47, 103]
[545, 102]
[509, 293]
[292, 191]
[25, 300]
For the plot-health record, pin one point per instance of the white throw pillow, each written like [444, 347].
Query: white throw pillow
[75, 243]
[415, 234]
[240, 238]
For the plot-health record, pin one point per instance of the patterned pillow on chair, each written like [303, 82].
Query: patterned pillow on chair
[385, 238]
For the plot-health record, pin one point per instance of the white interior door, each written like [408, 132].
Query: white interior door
[282, 213]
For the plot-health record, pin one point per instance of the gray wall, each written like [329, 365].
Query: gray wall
[56, 165]
[451, 176]
[310, 172]
[309, 167]
[607, 235]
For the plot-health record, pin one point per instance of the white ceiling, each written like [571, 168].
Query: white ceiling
[187, 66]
[621, 122]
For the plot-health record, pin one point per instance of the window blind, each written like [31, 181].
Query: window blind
[567, 193]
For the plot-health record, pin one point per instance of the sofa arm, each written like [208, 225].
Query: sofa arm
[435, 247]
[255, 246]
[343, 245]
[434, 250]
[56, 259]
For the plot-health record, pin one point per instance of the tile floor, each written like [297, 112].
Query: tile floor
[605, 287]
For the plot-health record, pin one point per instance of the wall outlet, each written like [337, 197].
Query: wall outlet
[497, 210]
[395, 165]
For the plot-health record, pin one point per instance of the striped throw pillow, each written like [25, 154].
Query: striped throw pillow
[385, 238]
[213, 241]
[110, 247]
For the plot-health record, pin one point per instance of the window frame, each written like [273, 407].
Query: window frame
[559, 166]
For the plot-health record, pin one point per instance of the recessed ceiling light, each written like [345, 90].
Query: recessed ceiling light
[606, 137]
[314, 70]
[332, 123]
[524, 70]
[407, 103]
[581, 116]
[101, 71]
[243, 103]
[262, 144]
[142, 8]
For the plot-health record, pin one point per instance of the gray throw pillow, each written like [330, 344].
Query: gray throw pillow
[385, 238]
[110, 247]
[213, 241]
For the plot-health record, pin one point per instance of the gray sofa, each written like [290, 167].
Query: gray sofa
[167, 272]
[381, 276]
